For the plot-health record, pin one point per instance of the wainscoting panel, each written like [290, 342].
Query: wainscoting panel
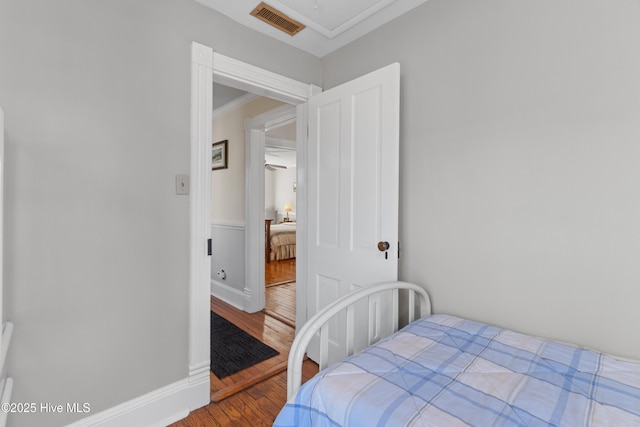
[227, 262]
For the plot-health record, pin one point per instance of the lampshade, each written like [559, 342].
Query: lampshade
[287, 208]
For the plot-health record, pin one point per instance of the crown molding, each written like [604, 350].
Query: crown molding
[236, 103]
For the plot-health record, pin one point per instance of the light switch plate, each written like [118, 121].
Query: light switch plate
[182, 184]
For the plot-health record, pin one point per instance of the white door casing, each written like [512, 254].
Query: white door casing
[208, 67]
[353, 185]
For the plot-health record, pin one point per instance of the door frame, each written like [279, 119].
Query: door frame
[208, 66]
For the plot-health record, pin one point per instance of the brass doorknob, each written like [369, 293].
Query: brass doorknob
[383, 246]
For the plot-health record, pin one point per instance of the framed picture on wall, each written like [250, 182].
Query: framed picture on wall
[219, 155]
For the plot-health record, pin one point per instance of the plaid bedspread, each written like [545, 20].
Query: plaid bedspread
[446, 371]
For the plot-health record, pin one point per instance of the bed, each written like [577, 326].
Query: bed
[280, 241]
[443, 370]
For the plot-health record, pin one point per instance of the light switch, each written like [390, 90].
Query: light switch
[182, 184]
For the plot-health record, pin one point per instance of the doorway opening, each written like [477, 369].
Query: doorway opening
[206, 67]
[248, 124]
[280, 223]
[259, 134]
[372, 104]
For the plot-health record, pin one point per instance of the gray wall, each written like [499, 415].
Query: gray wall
[96, 100]
[520, 146]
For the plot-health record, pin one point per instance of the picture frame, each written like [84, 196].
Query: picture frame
[220, 155]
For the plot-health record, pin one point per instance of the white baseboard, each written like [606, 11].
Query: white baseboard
[228, 294]
[158, 408]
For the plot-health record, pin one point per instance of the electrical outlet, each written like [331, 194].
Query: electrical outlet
[182, 184]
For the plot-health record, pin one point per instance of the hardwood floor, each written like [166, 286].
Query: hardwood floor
[280, 294]
[281, 303]
[267, 329]
[254, 396]
[258, 405]
[279, 272]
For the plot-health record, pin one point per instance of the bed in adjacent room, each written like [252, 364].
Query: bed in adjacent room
[280, 241]
[443, 370]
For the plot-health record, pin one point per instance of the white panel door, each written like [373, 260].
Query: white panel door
[353, 170]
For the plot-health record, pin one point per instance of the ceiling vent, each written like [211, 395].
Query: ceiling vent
[277, 19]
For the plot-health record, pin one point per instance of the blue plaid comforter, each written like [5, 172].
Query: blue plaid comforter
[446, 371]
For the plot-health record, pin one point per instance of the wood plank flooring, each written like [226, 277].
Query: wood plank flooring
[258, 405]
[265, 328]
[280, 272]
[280, 303]
[280, 294]
[254, 396]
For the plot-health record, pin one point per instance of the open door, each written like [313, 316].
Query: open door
[353, 175]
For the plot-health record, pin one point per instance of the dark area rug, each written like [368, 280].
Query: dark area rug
[232, 349]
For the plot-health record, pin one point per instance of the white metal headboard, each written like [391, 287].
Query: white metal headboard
[320, 322]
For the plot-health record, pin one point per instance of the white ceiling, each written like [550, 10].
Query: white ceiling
[224, 95]
[280, 156]
[280, 145]
[331, 24]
